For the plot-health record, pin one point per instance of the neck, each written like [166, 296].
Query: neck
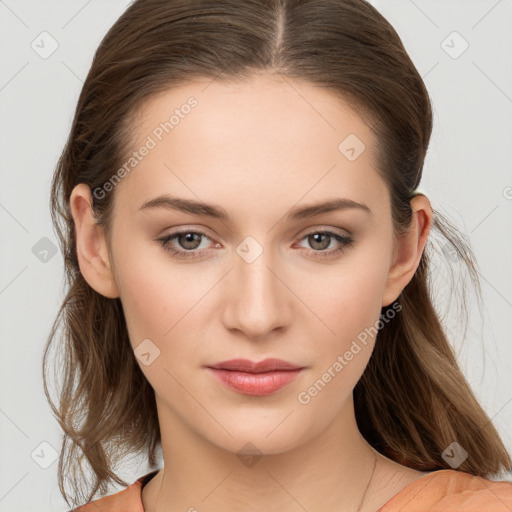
[331, 471]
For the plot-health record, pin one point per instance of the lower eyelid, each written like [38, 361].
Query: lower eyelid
[344, 243]
[332, 234]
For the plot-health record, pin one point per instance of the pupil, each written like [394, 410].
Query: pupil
[317, 240]
[189, 238]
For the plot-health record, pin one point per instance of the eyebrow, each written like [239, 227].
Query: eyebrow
[300, 212]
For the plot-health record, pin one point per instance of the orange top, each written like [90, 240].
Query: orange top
[445, 490]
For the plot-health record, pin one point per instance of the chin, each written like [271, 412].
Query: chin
[263, 438]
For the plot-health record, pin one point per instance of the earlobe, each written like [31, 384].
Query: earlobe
[91, 245]
[409, 249]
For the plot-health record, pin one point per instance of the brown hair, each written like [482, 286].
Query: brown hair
[412, 400]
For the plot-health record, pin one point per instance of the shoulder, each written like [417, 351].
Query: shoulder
[127, 500]
[448, 490]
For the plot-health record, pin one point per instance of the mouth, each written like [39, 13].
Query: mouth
[255, 378]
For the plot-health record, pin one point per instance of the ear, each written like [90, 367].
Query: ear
[91, 245]
[409, 249]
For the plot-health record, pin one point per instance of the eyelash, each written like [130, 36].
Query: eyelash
[346, 242]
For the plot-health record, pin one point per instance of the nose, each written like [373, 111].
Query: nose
[258, 298]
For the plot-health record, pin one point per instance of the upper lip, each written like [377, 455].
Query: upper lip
[244, 365]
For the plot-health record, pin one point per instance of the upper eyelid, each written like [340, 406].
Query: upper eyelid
[205, 230]
[328, 230]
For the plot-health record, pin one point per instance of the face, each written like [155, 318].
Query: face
[264, 280]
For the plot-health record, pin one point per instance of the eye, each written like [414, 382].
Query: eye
[320, 240]
[190, 241]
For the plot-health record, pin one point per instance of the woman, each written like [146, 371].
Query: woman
[246, 249]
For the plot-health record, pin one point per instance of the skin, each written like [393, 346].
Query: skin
[257, 149]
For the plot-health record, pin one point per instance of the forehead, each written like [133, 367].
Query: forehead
[268, 138]
[268, 107]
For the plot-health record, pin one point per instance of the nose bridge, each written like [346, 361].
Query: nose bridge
[257, 302]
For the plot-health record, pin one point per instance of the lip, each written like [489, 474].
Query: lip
[255, 378]
[245, 365]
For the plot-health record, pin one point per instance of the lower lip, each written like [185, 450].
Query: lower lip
[258, 384]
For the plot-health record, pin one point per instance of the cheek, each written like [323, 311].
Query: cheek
[162, 300]
[158, 305]
[347, 298]
[159, 296]
[352, 310]
[363, 299]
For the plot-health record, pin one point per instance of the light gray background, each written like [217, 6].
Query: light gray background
[467, 176]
